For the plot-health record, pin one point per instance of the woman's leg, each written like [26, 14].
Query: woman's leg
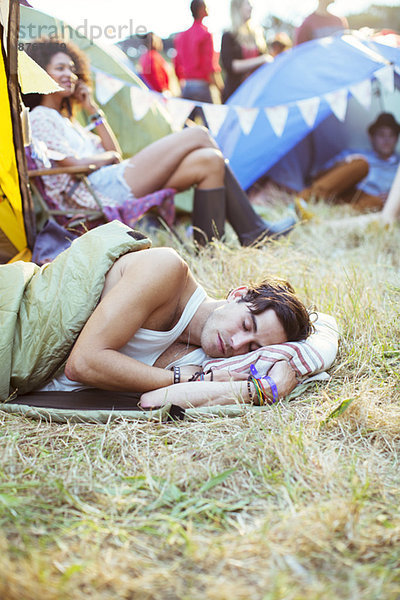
[179, 160]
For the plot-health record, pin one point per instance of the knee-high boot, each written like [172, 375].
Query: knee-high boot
[248, 225]
[208, 214]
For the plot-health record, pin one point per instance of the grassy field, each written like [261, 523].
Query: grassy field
[289, 503]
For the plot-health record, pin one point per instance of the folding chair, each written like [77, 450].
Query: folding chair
[161, 201]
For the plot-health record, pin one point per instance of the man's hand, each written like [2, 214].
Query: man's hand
[284, 377]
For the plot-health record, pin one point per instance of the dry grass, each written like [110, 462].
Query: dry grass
[289, 504]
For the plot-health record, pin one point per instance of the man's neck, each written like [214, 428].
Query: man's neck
[192, 334]
[322, 11]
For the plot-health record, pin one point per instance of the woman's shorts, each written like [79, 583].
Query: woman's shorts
[110, 181]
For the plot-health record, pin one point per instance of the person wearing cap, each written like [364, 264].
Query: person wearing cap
[362, 178]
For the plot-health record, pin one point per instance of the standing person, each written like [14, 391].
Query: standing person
[180, 160]
[243, 49]
[153, 67]
[196, 62]
[320, 23]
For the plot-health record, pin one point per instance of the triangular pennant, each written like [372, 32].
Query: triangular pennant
[141, 102]
[385, 76]
[277, 116]
[106, 87]
[362, 92]
[215, 115]
[179, 110]
[337, 100]
[309, 109]
[246, 116]
[32, 78]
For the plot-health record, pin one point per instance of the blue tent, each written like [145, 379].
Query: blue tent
[309, 74]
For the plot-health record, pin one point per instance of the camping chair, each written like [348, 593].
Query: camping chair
[86, 218]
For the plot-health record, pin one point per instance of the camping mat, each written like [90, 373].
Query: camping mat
[100, 406]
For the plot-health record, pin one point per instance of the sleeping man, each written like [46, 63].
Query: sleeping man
[105, 315]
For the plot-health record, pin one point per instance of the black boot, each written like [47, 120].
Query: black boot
[208, 215]
[248, 225]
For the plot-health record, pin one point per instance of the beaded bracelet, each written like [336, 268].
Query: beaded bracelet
[250, 393]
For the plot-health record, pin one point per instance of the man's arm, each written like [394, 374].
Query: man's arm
[285, 363]
[216, 393]
[146, 293]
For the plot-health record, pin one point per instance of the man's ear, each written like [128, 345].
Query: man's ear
[237, 293]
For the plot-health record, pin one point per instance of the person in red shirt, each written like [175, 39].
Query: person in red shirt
[196, 62]
[320, 23]
[153, 67]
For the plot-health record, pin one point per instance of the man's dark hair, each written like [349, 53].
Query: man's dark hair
[195, 7]
[279, 295]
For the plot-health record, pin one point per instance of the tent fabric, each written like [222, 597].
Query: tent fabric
[17, 224]
[302, 79]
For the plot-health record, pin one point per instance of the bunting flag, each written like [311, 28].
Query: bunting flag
[215, 115]
[141, 102]
[179, 110]
[32, 78]
[385, 76]
[362, 92]
[337, 100]
[246, 117]
[106, 87]
[277, 116]
[309, 109]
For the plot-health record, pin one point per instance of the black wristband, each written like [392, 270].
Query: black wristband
[177, 374]
[99, 114]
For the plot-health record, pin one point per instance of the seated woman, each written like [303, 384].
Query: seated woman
[180, 160]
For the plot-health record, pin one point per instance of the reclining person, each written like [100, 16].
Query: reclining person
[362, 178]
[103, 315]
[180, 160]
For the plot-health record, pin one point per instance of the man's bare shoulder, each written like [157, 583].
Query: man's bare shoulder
[155, 267]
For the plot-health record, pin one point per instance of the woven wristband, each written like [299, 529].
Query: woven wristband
[273, 387]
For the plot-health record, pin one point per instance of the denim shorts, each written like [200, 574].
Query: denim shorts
[110, 181]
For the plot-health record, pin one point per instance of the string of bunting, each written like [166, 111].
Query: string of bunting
[179, 109]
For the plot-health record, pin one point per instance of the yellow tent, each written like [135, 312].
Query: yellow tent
[17, 220]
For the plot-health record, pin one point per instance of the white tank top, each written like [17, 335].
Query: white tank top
[147, 345]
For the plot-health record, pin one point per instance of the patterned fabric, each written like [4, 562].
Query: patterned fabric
[60, 138]
[130, 212]
[56, 138]
[312, 356]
